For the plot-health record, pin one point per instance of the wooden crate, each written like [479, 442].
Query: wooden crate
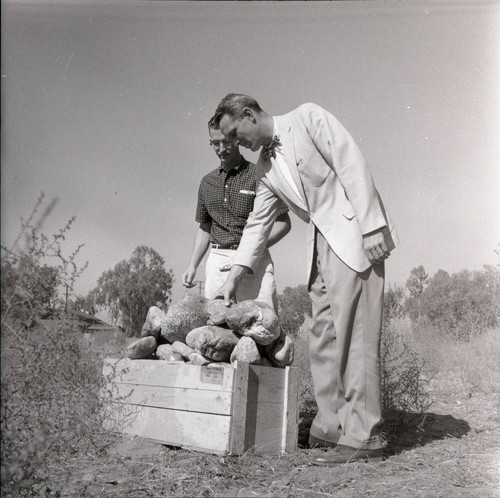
[217, 409]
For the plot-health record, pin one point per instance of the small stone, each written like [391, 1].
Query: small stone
[246, 351]
[152, 325]
[164, 352]
[183, 349]
[198, 359]
[142, 349]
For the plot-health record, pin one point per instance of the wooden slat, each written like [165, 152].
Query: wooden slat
[164, 373]
[237, 436]
[272, 408]
[201, 431]
[196, 400]
[290, 421]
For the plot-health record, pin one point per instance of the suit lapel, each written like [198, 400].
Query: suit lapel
[287, 142]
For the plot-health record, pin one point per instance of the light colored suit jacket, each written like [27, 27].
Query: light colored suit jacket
[333, 179]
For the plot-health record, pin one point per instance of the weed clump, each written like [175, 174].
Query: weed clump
[50, 380]
[50, 404]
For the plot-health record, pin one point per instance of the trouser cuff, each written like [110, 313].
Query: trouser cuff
[374, 443]
[329, 438]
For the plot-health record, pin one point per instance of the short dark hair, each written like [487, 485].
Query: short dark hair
[212, 125]
[233, 104]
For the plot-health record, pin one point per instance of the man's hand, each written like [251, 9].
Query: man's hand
[228, 290]
[375, 247]
[188, 277]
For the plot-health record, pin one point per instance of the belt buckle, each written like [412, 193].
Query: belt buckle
[222, 246]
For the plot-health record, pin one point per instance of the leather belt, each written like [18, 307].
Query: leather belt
[224, 246]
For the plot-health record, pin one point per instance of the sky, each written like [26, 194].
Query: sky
[105, 105]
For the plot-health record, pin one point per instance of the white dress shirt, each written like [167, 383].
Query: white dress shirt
[280, 161]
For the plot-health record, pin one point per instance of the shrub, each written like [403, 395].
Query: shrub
[301, 362]
[404, 388]
[30, 286]
[50, 403]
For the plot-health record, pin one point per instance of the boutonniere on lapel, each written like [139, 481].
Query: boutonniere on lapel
[269, 150]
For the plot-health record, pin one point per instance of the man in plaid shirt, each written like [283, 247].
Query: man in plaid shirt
[225, 200]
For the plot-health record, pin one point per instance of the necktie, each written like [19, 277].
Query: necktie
[269, 149]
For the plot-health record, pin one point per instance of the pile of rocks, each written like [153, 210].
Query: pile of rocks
[201, 331]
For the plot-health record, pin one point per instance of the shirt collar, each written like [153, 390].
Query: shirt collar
[243, 162]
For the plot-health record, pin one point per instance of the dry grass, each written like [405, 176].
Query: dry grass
[448, 467]
[453, 450]
[466, 368]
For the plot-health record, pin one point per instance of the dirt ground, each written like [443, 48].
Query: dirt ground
[452, 450]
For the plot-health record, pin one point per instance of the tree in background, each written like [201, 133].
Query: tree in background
[394, 303]
[132, 287]
[416, 284]
[463, 303]
[84, 304]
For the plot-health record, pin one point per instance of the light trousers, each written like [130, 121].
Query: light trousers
[344, 347]
[259, 286]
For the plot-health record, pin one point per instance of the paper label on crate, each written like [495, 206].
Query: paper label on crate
[212, 375]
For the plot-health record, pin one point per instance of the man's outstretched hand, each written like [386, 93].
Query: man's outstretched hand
[228, 290]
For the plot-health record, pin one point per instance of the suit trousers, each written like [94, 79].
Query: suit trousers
[260, 285]
[344, 346]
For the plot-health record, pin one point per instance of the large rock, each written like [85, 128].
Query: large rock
[142, 349]
[246, 351]
[182, 317]
[254, 319]
[216, 309]
[152, 325]
[216, 343]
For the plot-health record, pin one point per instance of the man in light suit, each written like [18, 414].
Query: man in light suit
[311, 163]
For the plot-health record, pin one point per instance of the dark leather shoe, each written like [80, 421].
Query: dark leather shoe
[346, 454]
[315, 442]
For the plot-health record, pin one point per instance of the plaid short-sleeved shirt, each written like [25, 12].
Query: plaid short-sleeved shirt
[226, 200]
